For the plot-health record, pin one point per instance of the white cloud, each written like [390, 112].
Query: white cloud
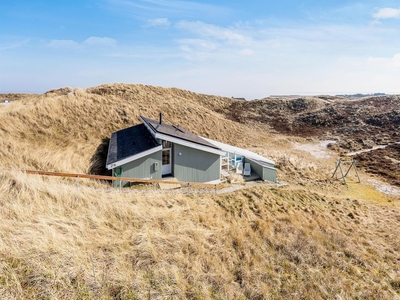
[91, 41]
[159, 22]
[100, 41]
[246, 52]
[210, 42]
[14, 45]
[374, 23]
[63, 44]
[197, 49]
[212, 31]
[198, 44]
[387, 13]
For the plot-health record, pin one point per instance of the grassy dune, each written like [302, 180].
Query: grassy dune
[61, 240]
[67, 128]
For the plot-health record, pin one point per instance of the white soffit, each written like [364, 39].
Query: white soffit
[239, 151]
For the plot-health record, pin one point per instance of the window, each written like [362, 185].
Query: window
[166, 144]
[165, 157]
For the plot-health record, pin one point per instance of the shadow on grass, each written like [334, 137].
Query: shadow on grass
[99, 159]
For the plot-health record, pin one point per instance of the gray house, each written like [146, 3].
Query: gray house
[154, 149]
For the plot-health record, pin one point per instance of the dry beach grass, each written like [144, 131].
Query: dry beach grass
[60, 241]
[312, 239]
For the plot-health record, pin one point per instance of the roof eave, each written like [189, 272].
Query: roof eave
[149, 127]
[186, 143]
[246, 153]
[133, 157]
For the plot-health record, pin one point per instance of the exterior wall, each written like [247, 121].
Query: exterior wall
[142, 168]
[265, 173]
[269, 174]
[194, 165]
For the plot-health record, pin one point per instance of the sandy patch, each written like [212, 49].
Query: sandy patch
[318, 150]
[385, 188]
[371, 149]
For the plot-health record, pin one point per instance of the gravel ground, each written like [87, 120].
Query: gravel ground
[318, 150]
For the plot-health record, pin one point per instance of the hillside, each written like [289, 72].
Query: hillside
[71, 125]
[354, 124]
[364, 122]
[313, 238]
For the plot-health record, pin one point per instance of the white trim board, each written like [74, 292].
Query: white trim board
[240, 151]
[179, 141]
[261, 163]
[149, 128]
[133, 157]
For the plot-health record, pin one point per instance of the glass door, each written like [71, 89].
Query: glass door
[166, 158]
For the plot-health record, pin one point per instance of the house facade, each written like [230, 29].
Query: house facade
[154, 149]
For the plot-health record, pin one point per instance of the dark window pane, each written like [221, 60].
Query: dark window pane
[165, 157]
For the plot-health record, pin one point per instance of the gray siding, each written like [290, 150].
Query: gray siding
[267, 172]
[143, 168]
[194, 165]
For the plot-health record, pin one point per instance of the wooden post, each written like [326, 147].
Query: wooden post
[355, 168]
[341, 171]
[337, 166]
[344, 175]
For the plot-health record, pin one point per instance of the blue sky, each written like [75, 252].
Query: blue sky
[248, 49]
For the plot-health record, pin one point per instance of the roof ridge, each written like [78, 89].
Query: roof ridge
[175, 132]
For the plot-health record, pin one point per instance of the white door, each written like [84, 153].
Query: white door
[166, 161]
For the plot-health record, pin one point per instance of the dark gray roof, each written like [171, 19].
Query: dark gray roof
[129, 141]
[177, 132]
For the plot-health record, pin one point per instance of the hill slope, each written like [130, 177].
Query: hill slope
[313, 239]
[71, 125]
[355, 124]
[376, 119]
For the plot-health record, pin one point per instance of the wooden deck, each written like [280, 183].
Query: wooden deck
[169, 186]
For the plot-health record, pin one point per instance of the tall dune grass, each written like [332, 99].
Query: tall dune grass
[64, 240]
[67, 242]
[68, 128]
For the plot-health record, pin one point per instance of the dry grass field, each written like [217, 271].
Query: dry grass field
[313, 238]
